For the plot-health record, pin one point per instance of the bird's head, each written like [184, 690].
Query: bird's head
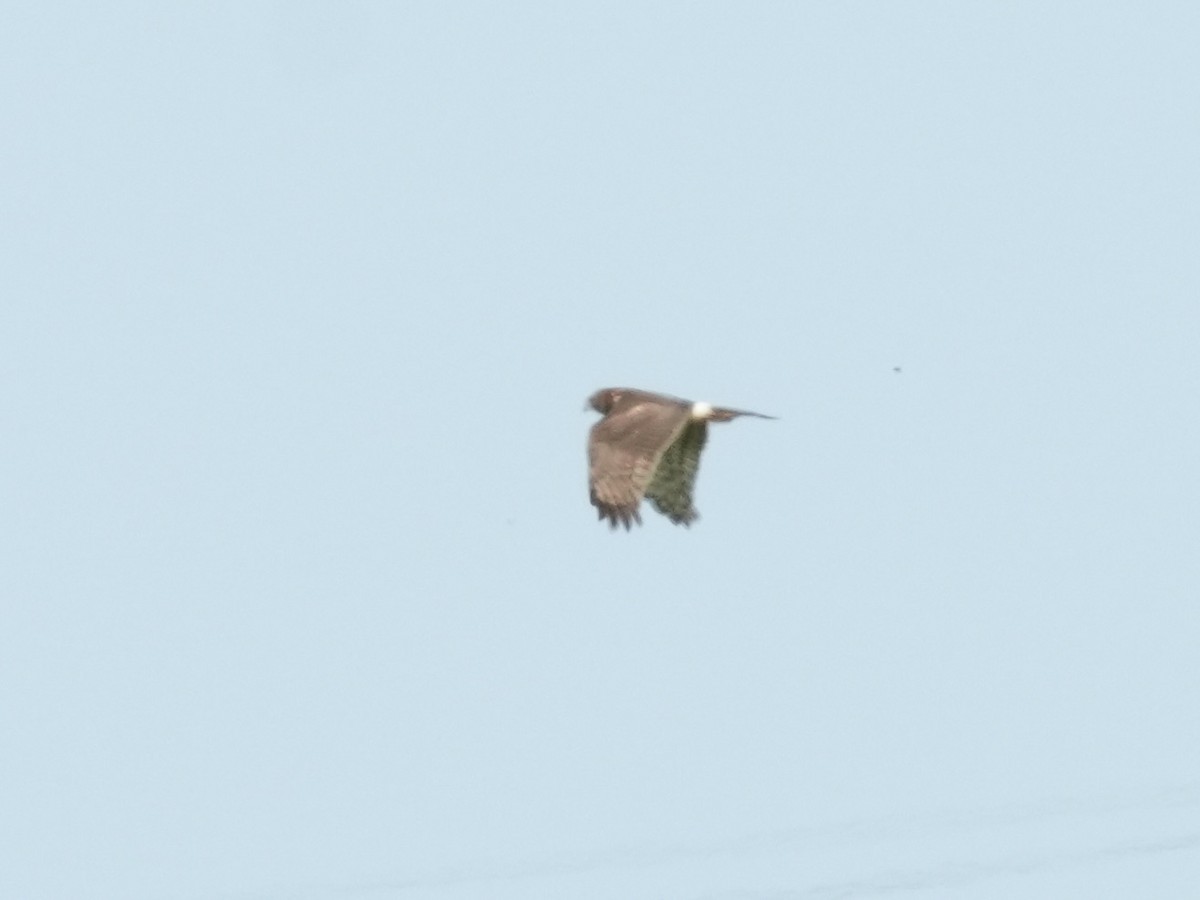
[602, 401]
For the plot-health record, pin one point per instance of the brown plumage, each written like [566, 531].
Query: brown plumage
[648, 445]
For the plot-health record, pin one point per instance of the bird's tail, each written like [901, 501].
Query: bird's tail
[724, 415]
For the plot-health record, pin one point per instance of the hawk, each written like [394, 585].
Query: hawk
[648, 445]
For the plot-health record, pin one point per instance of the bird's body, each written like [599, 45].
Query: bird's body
[648, 445]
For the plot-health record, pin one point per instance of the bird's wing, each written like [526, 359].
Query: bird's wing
[674, 480]
[624, 449]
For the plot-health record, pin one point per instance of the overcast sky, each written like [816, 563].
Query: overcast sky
[299, 306]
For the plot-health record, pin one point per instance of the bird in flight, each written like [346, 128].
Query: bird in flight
[648, 445]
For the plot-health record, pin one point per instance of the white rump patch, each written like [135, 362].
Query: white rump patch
[702, 410]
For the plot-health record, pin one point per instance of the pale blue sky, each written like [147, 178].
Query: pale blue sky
[299, 306]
